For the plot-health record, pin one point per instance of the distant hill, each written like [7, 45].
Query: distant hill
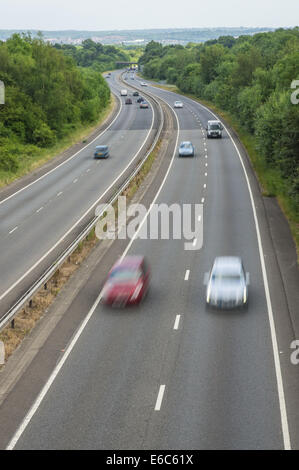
[142, 36]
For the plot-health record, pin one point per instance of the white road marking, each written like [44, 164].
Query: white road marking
[205, 186]
[13, 229]
[160, 398]
[40, 209]
[203, 200]
[75, 180]
[177, 322]
[194, 241]
[82, 217]
[187, 274]
[63, 163]
[280, 388]
[69, 349]
[59, 194]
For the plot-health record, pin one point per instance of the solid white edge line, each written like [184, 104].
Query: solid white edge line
[280, 388]
[51, 379]
[55, 372]
[70, 158]
[160, 398]
[82, 217]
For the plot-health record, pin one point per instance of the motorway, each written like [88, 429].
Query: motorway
[171, 375]
[39, 220]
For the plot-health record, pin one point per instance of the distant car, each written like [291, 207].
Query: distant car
[128, 101]
[227, 284]
[214, 129]
[135, 93]
[140, 99]
[143, 105]
[127, 282]
[186, 149]
[143, 84]
[123, 93]
[101, 151]
[178, 104]
[107, 76]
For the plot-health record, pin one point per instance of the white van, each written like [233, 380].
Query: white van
[123, 93]
[214, 129]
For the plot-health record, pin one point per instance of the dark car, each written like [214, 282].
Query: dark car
[135, 93]
[140, 99]
[227, 284]
[127, 282]
[143, 105]
[101, 151]
[128, 101]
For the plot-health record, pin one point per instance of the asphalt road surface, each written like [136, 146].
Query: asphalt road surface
[170, 374]
[36, 219]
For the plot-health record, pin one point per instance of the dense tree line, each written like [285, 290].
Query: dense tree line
[250, 77]
[46, 97]
[94, 54]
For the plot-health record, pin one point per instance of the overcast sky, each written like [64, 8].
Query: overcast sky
[145, 14]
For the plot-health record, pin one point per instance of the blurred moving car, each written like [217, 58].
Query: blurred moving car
[227, 284]
[128, 101]
[140, 99]
[127, 283]
[143, 84]
[135, 93]
[143, 105]
[178, 104]
[214, 129]
[101, 151]
[123, 93]
[186, 149]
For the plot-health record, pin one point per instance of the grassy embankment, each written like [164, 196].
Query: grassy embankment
[33, 161]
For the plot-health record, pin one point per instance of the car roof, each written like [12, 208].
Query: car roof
[186, 143]
[129, 262]
[101, 146]
[228, 264]
[214, 122]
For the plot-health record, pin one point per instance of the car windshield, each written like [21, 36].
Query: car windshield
[214, 127]
[185, 145]
[230, 278]
[102, 148]
[125, 274]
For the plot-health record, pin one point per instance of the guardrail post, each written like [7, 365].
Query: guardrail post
[30, 303]
[2, 353]
[12, 323]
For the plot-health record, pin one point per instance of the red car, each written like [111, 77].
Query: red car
[127, 282]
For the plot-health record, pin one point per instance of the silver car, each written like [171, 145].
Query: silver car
[227, 284]
[186, 149]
